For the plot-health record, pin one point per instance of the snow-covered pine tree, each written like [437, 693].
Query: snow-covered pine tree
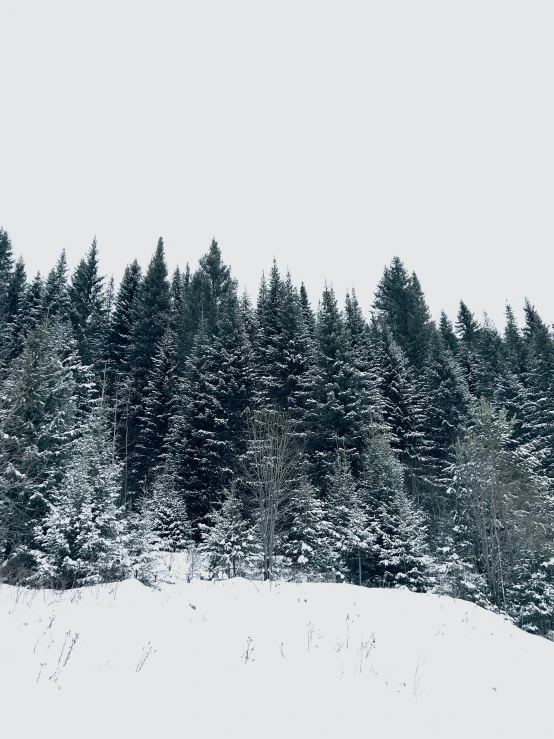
[403, 412]
[149, 326]
[216, 393]
[171, 523]
[41, 415]
[306, 540]
[328, 425]
[55, 296]
[157, 411]
[12, 326]
[230, 541]
[89, 312]
[81, 540]
[447, 404]
[350, 536]
[398, 553]
[400, 303]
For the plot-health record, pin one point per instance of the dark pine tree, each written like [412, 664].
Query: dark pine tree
[88, 310]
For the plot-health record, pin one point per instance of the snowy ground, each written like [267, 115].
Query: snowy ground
[251, 659]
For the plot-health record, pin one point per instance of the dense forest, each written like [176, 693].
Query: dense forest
[279, 440]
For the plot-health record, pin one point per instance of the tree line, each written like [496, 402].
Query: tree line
[280, 440]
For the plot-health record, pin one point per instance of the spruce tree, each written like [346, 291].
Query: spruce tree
[447, 404]
[171, 523]
[403, 411]
[398, 555]
[55, 296]
[211, 419]
[89, 311]
[148, 328]
[81, 540]
[157, 411]
[399, 301]
[307, 540]
[40, 420]
[350, 537]
[230, 541]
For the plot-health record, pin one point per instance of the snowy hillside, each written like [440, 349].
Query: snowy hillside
[251, 659]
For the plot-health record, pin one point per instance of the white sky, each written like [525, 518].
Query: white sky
[330, 135]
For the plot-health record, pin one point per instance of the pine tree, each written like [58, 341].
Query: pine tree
[468, 331]
[13, 317]
[149, 326]
[398, 554]
[307, 541]
[216, 393]
[489, 368]
[283, 350]
[55, 296]
[364, 401]
[447, 403]
[40, 416]
[6, 268]
[88, 310]
[329, 425]
[152, 317]
[403, 412]
[171, 523]
[157, 411]
[231, 542]
[447, 333]
[81, 539]
[122, 322]
[350, 537]
[539, 380]
[400, 303]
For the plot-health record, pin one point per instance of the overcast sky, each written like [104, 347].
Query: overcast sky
[332, 136]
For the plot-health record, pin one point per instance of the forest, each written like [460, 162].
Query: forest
[275, 438]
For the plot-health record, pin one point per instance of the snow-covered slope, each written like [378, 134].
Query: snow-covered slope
[251, 659]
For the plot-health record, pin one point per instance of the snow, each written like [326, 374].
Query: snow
[239, 658]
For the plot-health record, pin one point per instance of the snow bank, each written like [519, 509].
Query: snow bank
[251, 659]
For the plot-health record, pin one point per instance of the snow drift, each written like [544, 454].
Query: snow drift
[240, 658]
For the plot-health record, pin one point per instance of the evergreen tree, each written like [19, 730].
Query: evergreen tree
[402, 407]
[447, 333]
[148, 328]
[6, 268]
[39, 419]
[307, 541]
[399, 301]
[490, 360]
[122, 320]
[447, 405]
[539, 380]
[468, 331]
[283, 350]
[88, 310]
[230, 542]
[158, 409]
[171, 523]
[13, 316]
[81, 539]
[350, 537]
[398, 554]
[330, 424]
[152, 317]
[211, 423]
[55, 296]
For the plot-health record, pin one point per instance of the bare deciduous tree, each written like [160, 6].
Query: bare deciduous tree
[272, 469]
